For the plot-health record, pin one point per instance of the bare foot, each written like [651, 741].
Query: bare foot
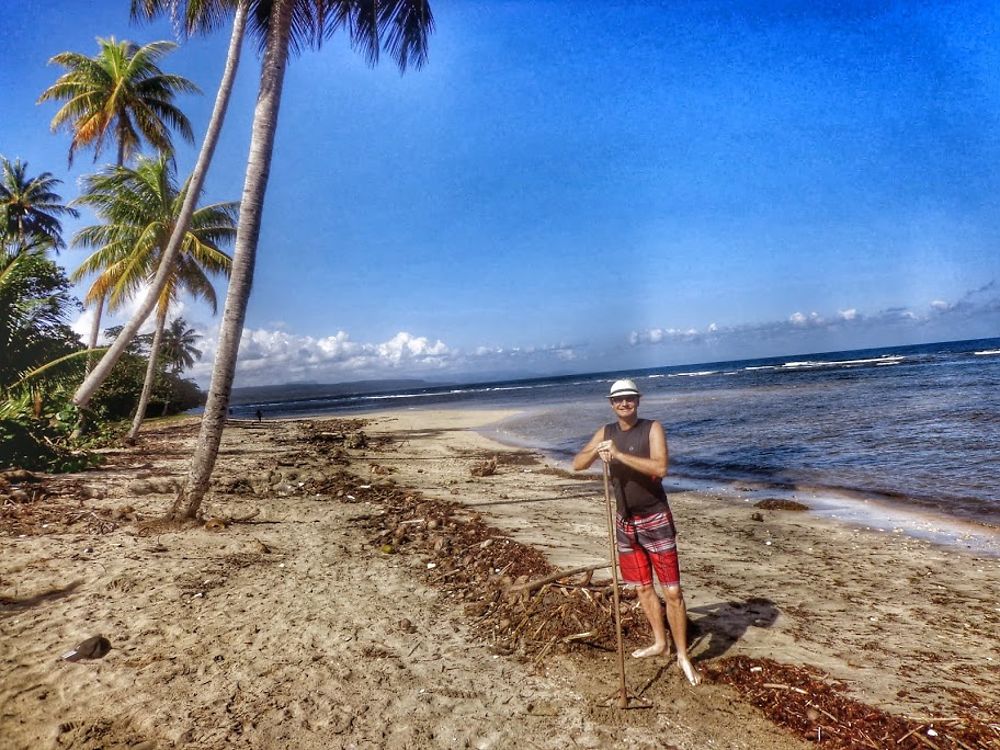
[655, 650]
[692, 674]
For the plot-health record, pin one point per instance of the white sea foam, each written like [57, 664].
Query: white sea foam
[887, 360]
[987, 352]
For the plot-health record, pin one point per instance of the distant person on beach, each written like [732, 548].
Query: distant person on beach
[636, 453]
[260, 416]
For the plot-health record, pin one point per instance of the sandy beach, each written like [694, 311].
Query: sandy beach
[331, 600]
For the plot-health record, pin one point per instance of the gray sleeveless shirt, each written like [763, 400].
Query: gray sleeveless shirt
[637, 494]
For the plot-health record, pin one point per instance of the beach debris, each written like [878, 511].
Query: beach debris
[476, 564]
[95, 647]
[755, 516]
[236, 486]
[36, 505]
[260, 547]
[813, 705]
[529, 586]
[356, 440]
[406, 626]
[215, 524]
[18, 476]
[772, 503]
[124, 513]
[485, 468]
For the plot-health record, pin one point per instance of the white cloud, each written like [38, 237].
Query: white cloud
[81, 326]
[978, 303]
[665, 335]
[403, 347]
[278, 356]
[812, 319]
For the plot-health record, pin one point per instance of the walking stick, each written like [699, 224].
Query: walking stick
[622, 691]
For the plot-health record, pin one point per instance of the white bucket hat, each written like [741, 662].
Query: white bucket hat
[623, 388]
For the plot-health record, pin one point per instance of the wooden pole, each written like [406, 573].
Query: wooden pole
[622, 691]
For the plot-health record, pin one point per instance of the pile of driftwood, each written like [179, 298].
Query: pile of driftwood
[516, 600]
[34, 504]
[813, 706]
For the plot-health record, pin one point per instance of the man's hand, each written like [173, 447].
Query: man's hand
[606, 450]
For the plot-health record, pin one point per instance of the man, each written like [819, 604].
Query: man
[636, 453]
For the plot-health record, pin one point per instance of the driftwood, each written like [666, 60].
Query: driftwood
[539, 582]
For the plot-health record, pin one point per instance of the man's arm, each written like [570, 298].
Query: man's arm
[590, 452]
[656, 464]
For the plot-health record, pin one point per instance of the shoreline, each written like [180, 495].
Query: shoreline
[870, 511]
[914, 516]
[288, 625]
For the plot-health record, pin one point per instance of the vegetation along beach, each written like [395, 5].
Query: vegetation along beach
[307, 306]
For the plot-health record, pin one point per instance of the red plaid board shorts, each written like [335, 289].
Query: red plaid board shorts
[647, 543]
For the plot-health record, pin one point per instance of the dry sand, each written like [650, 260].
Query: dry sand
[292, 630]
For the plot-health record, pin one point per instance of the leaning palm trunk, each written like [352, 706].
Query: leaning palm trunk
[100, 373]
[95, 332]
[147, 386]
[265, 122]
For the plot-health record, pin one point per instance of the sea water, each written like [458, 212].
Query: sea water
[913, 427]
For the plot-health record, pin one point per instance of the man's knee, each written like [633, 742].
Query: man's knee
[673, 594]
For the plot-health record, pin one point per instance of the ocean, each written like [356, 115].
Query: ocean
[914, 429]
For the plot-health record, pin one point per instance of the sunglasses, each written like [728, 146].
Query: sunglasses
[624, 400]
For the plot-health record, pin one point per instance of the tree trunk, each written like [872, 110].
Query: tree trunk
[147, 385]
[95, 333]
[265, 122]
[100, 373]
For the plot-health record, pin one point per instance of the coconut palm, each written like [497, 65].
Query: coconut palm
[139, 208]
[30, 206]
[35, 303]
[200, 15]
[399, 27]
[178, 347]
[121, 94]
[178, 350]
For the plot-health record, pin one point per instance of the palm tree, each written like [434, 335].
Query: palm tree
[121, 94]
[140, 207]
[400, 27]
[29, 206]
[178, 348]
[201, 15]
[35, 301]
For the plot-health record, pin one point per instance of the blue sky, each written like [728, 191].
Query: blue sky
[578, 186]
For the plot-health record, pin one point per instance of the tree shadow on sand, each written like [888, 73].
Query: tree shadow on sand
[14, 604]
[725, 623]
